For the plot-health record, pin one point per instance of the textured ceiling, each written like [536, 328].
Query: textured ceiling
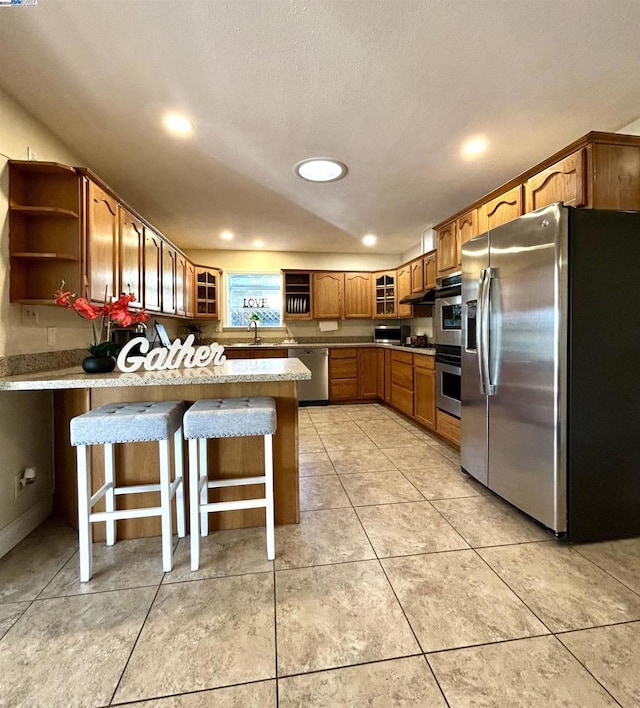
[391, 87]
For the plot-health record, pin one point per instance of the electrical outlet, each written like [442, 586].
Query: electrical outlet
[51, 336]
[29, 316]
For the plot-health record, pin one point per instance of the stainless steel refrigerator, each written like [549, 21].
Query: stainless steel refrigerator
[550, 368]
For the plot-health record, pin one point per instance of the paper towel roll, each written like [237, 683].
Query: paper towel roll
[328, 325]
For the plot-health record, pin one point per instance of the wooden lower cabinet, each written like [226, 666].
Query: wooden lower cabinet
[380, 376]
[402, 382]
[448, 427]
[387, 376]
[242, 353]
[424, 388]
[353, 374]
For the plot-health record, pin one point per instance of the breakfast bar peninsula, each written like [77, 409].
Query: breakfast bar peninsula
[75, 392]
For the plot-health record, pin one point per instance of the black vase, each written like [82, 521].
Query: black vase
[99, 364]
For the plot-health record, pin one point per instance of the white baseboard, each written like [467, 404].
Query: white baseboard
[13, 533]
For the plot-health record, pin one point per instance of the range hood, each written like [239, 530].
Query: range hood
[426, 297]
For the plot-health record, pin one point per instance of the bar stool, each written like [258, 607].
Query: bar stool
[116, 423]
[227, 418]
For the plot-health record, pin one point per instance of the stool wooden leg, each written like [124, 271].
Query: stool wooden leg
[179, 474]
[193, 504]
[165, 504]
[204, 493]
[110, 496]
[84, 509]
[268, 489]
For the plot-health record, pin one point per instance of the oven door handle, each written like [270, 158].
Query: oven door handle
[490, 388]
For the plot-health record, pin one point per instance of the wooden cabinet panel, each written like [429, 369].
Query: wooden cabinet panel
[270, 353]
[402, 399]
[169, 257]
[404, 289]
[615, 172]
[500, 210]
[357, 295]
[385, 294]
[344, 368]
[402, 357]
[401, 374]
[102, 239]
[467, 226]
[343, 374]
[367, 373]
[181, 285]
[297, 295]
[563, 182]
[430, 269]
[381, 374]
[328, 296]
[425, 391]
[417, 276]
[447, 238]
[344, 353]
[343, 389]
[130, 269]
[190, 284]
[152, 271]
[238, 353]
[387, 376]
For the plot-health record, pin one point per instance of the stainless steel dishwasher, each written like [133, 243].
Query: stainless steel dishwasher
[317, 361]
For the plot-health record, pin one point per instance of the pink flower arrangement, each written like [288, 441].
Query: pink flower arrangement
[114, 312]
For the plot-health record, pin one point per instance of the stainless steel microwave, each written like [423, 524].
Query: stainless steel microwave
[391, 334]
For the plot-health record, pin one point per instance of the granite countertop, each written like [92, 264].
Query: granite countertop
[233, 371]
[331, 345]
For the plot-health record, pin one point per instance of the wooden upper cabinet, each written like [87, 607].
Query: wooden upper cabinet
[328, 296]
[102, 240]
[404, 289]
[467, 226]
[190, 284]
[130, 259]
[563, 182]
[207, 282]
[152, 270]
[169, 258]
[181, 285]
[417, 276]
[448, 248]
[385, 301]
[500, 210]
[357, 296]
[430, 269]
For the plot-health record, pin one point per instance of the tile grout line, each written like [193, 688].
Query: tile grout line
[135, 643]
[604, 570]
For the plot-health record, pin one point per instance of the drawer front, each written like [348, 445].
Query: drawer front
[344, 368]
[402, 375]
[402, 357]
[270, 354]
[344, 390]
[424, 361]
[448, 426]
[343, 353]
[235, 354]
[402, 399]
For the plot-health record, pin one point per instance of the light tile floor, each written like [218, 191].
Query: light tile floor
[405, 584]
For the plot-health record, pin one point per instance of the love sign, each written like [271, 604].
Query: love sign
[179, 354]
[257, 302]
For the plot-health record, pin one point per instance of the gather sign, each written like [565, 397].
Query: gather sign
[179, 354]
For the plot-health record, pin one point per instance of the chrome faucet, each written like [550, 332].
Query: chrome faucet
[256, 339]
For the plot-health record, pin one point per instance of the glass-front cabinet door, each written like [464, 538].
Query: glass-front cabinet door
[385, 295]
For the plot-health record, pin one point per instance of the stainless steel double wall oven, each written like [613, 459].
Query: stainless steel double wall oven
[448, 324]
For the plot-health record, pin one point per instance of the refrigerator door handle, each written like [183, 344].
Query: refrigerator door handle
[489, 275]
[480, 332]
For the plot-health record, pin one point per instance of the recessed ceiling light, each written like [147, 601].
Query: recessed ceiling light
[369, 240]
[226, 236]
[321, 169]
[474, 147]
[177, 124]
[258, 243]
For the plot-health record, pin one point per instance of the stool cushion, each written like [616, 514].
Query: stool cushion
[230, 418]
[127, 422]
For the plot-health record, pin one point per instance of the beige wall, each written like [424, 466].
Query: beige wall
[19, 131]
[25, 430]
